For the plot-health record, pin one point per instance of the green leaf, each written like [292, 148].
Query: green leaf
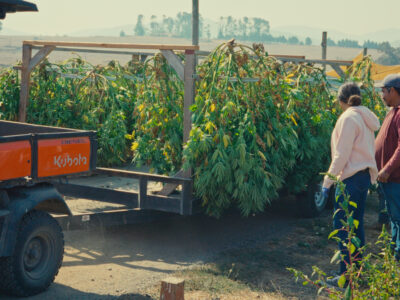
[352, 248]
[356, 241]
[350, 221]
[320, 290]
[336, 257]
[342, 281]
[347, 294]
[356, 223]
[333, 233]
[305, 282]
[353, 204]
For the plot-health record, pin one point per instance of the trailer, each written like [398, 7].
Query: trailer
[36, 164]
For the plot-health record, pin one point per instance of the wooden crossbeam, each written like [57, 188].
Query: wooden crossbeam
[175, 62]
[112, 45]
[338, 70]
[40, 56]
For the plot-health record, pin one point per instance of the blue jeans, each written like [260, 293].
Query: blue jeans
[357, 188]
[383, 217]
[391, 191]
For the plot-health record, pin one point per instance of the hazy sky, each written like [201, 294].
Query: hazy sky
[350, 16]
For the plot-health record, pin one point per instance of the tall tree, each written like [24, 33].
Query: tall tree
[330, 42]
[168, 24]
[184, 25]
[348, 43]
[293, 40]
[139, 29]
[259, 29]
[308, 41]
[154, 26]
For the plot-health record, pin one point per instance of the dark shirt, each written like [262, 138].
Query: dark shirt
[387, 145]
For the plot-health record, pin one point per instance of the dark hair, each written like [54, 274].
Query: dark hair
[350, 94]
[354, 100]
[397, 90]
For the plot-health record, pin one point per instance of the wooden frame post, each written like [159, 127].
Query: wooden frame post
[184, 71]
[195, 22]
[25, 78]
[324, 45]
[28, 64]
[189, 83]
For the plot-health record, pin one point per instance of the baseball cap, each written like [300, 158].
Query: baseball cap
[392, 80]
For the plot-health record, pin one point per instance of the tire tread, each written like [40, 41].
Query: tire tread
[9, 282]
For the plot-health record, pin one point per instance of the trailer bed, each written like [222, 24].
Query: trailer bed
[83, 206]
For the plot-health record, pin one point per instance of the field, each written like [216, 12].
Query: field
[10, 48]
[230, 258]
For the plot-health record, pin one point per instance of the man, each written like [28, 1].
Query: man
[387, 155]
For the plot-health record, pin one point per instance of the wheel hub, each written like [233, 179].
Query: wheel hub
[33, 254]
[319, 199]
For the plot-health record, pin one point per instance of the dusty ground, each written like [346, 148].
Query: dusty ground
[11, 48]
[230, 258]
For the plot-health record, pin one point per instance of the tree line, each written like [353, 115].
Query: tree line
[179, 26]
[245, 29]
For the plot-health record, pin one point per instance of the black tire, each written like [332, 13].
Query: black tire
[37, 256]
[311, 203]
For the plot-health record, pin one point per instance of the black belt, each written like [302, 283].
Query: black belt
[364, 171]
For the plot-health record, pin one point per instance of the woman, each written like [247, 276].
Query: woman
[353, 161]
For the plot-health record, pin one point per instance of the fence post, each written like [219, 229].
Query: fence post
[25, 78]
[365, 51]
[142, 192]
[195, 22]
[324, 45]
[172, 289]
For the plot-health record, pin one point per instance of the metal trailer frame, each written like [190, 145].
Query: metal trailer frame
[161, 202]
[134, 203]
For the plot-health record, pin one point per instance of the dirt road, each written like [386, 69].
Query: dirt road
[108, 263]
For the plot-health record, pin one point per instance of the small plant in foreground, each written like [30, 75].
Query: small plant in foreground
[368, 276]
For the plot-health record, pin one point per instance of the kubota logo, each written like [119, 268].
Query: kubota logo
[67, 161]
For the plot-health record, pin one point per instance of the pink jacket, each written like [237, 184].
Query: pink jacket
[353, 144]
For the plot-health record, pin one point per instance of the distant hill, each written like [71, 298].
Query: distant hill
[113, 31]
[392, 35]
[9, 31]
[388, 35]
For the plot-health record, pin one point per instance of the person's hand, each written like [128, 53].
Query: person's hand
[325, 192]
[383, 176]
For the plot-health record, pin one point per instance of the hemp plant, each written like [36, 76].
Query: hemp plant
[370, 276]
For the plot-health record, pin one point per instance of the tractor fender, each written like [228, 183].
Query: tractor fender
[43, 197]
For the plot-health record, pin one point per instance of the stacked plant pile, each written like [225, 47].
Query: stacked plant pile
[78, 95]
[250, 138]
[9, 94]
[157, 138]
[257, 124]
